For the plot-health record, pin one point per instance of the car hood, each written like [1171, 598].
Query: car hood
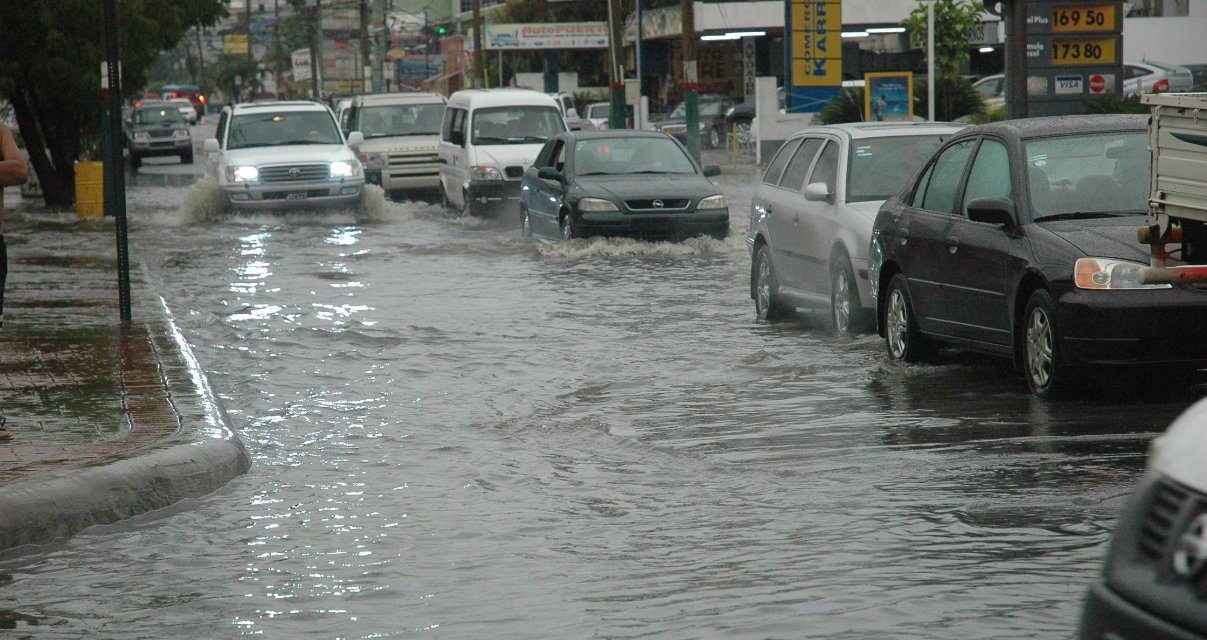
[289, 154]
[1180, 451]
[654, 185]
[401, 144]
[1103, 238]
[504, 155]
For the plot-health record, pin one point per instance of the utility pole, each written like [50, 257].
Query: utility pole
[365, 50]
[616, 68]
[479, 79]
[251, 55]
[276, 45]
[691, 81]
[315, 43]
[116, 182]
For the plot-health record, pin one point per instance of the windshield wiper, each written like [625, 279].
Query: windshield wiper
[1080, 215]
[482, 139]
[518, 139]
[596, 173]
[303, 142]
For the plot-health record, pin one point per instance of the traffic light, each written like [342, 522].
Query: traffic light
[440, 30]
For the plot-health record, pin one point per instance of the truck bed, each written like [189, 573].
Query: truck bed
[1178, 140]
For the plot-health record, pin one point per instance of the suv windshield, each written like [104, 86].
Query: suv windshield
[516, 125]
[401, 120]
[269, 129]
[159, 115]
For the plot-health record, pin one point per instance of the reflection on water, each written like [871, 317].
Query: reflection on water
[458, 431]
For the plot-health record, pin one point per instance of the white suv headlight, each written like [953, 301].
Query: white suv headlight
[344, 169]
[244, 173]
[712, 202]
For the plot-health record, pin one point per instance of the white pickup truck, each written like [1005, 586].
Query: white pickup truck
[1177, 195]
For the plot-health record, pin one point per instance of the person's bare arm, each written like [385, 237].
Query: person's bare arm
[12, 167]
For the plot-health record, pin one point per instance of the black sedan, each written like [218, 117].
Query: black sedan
[620, 183]
[1018, 238]
[711, 111]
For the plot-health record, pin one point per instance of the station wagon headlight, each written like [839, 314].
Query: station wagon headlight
[1107, 273]
[242, 174]
[182, 133]
[596, 204]
[482, 172]
[344, 169]
[712, 202]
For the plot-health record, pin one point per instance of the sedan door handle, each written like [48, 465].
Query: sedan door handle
[952, 243]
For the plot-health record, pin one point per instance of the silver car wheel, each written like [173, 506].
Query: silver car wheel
[762, 286]
[1039, 348]
[896, 329]
[840, 301]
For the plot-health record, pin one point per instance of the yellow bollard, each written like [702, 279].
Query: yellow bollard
[89, 188]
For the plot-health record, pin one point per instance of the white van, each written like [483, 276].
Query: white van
[402, 131]
[487, 140]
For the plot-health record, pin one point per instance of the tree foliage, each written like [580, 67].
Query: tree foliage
[957, 22]
[50, 72]
[954, 98]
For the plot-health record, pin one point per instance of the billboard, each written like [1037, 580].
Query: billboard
[553, 35]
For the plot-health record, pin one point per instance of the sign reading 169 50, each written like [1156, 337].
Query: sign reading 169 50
[1083, 18]
[1084, 51]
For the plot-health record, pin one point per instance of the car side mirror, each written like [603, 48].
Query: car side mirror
[211, 145]
[549, 173]
[711, 170]
[355, 139]
[991, 211]
[817, 192]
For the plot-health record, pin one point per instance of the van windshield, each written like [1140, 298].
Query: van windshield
[401, 120]
[516, 125]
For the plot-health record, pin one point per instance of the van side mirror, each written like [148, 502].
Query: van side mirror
[355, 139]
[991, 211]
[211, 145]
[549, 173]
[711, 170]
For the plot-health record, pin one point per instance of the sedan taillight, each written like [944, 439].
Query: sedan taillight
[1160, 85]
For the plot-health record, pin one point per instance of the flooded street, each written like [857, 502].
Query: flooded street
[458, 433]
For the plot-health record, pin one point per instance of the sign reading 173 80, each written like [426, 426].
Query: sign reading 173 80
[1083, 51]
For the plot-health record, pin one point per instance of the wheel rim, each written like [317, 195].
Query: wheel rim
[1039, 348]
[714, 137]
[762, 286]
[840, 300]
[896, 324]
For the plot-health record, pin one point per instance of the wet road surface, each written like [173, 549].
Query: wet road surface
[457, 433]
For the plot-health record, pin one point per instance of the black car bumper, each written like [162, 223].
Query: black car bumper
[1107, 616]
[713, 223]
[1165, 327]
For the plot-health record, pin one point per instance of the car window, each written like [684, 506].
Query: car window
[1088, 173]
[826, 169]
[559, 156]
[939, 192]
[220, 132]
[798, 166]
[879, 167]
[776, 167]
[278, 128]
[629, 155]
[990, 173]
[400, 120]
[458, 124]
[520, 124]
[544, 158]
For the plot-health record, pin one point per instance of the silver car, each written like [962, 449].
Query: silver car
[811, 218]
[284, 154]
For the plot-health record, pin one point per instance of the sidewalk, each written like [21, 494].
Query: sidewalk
[109, 420]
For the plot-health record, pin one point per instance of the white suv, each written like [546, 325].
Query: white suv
[401, 132]
[284, 154]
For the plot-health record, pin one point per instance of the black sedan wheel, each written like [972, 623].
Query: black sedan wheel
[767, 304]
[569, 232]
[901, 334]
[845, 309]
[715, 137]
[1047, 374]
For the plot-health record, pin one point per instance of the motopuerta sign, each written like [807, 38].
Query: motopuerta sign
[553, 35]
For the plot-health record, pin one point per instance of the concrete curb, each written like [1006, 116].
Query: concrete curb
[202, 456]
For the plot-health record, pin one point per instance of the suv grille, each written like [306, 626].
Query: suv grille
[1168, 500]
[295, 173]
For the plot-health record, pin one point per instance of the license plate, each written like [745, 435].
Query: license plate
[296, 195]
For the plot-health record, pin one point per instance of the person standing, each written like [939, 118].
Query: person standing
[12, 172]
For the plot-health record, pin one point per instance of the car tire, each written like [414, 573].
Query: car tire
[902, 338]
[846, 312]
[187, 157]
[715, 138]
[569, 229]
[525, 223]
[767, 304]
[1048, 376]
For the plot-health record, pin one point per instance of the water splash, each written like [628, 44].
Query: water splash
[204, 202]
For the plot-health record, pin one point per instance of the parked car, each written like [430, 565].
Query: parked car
[992, 89]
[402, 132]
[284, 154]
[1018, 239]
[487, 139]
[1199, 72]
[1151, 584]
[599, 113]
[1180, 78]
[574, 122]
[811, 217]
[620, 183]
[1143, 78]
[157, 129]
[186, 109]
[711, 110]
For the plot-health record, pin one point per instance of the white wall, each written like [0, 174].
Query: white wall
[1177, 40]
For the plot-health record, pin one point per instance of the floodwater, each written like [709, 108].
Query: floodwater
[457, 433]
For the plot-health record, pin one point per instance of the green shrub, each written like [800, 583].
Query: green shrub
[954, 98]
[847, 106]
[1115, 104]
